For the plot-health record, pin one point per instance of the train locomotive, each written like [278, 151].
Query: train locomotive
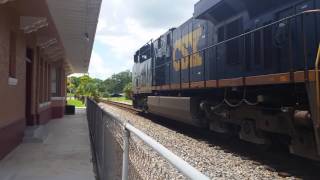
[245, 67]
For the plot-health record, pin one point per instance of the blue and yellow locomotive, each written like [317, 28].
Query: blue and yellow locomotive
[239, 66]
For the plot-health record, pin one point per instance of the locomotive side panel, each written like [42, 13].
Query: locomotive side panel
[187, 62]
[309, 34]
[260, 54]
[176, 56]
[199, 42]
[185, 49]
[318, 19]
[230, 57]
[162, 59]
[157, 64]
[167, 38]
[210, 55]
[142, 75]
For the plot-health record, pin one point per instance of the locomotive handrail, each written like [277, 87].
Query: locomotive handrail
[255, 30]
[163, 64]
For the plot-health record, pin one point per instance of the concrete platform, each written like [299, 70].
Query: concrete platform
[63, 155]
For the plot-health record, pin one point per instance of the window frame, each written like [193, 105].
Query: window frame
[55, 77]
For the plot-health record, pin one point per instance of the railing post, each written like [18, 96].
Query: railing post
[125, 158]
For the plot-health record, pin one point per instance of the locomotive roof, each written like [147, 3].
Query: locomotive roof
[203, 6]
[220, 10]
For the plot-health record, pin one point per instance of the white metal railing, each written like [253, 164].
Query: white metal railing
[176, 161]
[183, 167]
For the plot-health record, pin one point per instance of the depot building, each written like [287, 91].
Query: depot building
[41, 43]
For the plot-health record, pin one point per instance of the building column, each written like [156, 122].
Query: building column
[58, 95]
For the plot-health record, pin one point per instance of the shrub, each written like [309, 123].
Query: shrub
[127, 90]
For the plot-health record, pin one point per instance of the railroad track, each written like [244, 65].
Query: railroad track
[121, 105]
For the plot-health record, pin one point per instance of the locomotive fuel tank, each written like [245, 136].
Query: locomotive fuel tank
[183, 109]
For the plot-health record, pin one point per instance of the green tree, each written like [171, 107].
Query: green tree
[128, 91]
[72, 84]
[88, 87]
[117, 82]
[95, 88]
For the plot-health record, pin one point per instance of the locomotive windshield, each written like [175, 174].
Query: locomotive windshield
[143, 54]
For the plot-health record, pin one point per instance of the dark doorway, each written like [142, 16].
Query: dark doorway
[29, 61]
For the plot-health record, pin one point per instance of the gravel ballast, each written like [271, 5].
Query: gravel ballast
[212, 160]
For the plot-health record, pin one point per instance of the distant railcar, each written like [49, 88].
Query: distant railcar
[239, 66]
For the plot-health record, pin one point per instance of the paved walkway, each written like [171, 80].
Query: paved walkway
[64, 155]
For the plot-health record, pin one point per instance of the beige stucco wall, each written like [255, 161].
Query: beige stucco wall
[12, 98]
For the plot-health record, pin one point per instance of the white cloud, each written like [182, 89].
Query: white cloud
[98, 68]
[124, 26]
[101, 25]
[123, 46]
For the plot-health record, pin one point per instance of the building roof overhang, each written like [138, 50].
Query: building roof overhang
[65, 28]
[76, 22]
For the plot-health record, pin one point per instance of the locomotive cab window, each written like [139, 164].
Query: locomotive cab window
[143, 57]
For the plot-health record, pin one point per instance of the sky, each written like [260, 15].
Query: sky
[126, 25]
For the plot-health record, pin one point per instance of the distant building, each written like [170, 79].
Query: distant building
[41, 42]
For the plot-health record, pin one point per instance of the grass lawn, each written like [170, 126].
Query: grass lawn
[120, 99]
[75, 102]
[70, 95]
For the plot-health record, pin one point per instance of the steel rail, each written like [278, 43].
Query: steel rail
[120, 105]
